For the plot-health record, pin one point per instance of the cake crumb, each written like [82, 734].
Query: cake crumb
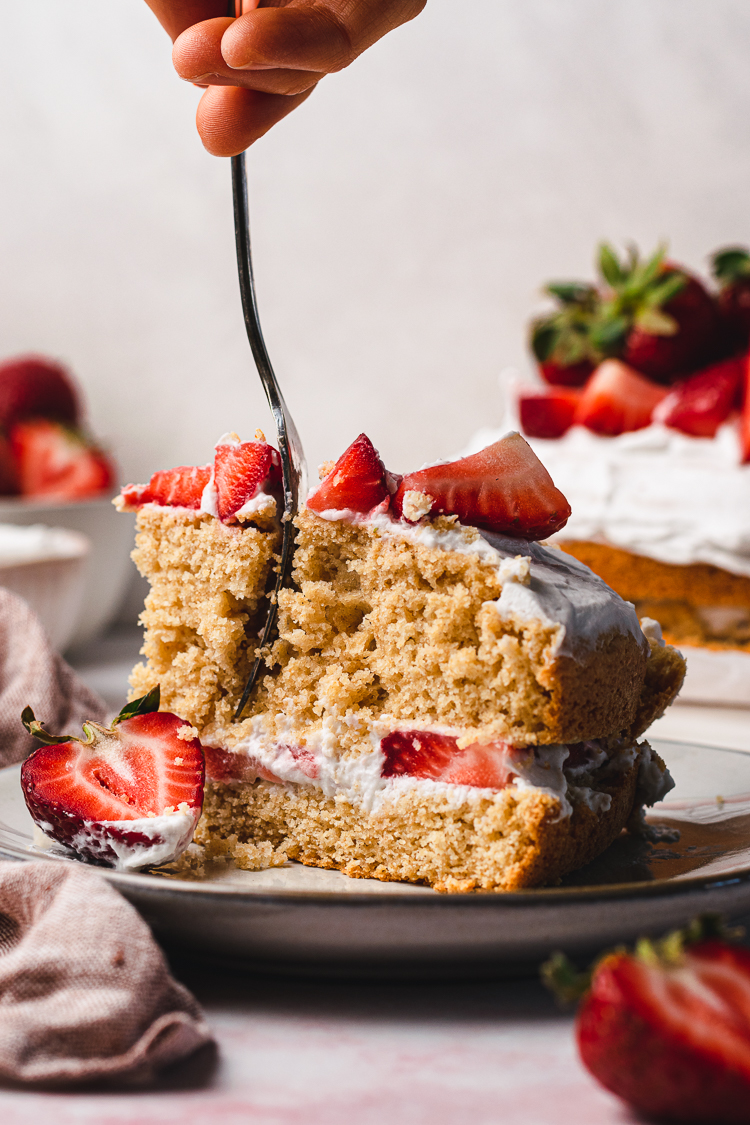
[187, 734]
[326, 468]
[179, 761]
[260, 436]
[517, 570]
[416, 504]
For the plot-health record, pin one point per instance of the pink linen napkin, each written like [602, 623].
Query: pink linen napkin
[85, 992]
[32, 673]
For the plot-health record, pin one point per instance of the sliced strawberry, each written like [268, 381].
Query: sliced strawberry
[617, 399]
[84, 794]
[560, 375]
[240, 471]
[32, 386]
[745, 414]
[230, 767]
[57, 462]
[667, 1028]
[701, 403]
[357, 482]
[548, 413]
[504, 488]
[424, 754]
[175, 488]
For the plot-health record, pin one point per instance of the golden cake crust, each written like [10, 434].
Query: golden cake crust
[676, 596]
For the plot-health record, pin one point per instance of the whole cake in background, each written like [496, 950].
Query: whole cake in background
[45, 450]
[449, 701]
[644, 422]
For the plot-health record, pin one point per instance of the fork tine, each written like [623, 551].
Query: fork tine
[290, 446]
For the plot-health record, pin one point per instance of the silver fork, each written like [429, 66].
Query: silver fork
[294, 469]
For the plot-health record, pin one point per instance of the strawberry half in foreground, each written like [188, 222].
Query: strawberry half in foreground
[667, 1027]
[125, 796]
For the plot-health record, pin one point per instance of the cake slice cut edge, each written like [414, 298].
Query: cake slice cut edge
[426, 676]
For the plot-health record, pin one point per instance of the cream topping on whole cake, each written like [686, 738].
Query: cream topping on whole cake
[655, 492]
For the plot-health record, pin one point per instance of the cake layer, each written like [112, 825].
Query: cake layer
[492, 637]
[508, 840]
[204, 610]
[698, 605]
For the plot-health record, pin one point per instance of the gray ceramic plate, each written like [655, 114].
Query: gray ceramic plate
[300, 919]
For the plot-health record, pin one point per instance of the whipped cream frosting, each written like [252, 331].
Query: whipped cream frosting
[359, 779]
[656, 492]
[166, 838]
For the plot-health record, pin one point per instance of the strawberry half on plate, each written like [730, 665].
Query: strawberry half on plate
[125, 796]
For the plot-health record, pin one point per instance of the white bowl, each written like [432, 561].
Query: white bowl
[46, 567]
[107, 568]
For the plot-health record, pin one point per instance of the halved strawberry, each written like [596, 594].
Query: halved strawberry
[436, 757]
[126, 796]
[504, 488]
[617, 399]
[176, 488]
[667, 1028]
[357, 481]
[701, 403]
[240, 471]
[55, 461]
[547, 413]
[33, 386]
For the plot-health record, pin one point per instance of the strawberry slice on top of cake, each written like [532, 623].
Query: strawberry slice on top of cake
[449, 701]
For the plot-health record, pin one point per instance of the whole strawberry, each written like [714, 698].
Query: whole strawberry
[731, 268]
[667, 1027]
[125, 796]
[656, 316]
[561, 340]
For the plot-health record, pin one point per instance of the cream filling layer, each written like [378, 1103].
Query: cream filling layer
[360, 779]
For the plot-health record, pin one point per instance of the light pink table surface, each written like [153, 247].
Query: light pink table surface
[316, 1053]
[301, 1053]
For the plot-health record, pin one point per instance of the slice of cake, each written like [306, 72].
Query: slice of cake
[449, 701]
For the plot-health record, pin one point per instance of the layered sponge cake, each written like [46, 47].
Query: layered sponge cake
[448, 701]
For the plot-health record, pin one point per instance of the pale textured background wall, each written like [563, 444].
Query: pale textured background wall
[404, 218]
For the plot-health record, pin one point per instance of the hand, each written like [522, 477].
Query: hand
[261, 66]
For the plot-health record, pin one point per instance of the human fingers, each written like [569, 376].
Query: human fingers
[231, 118]
[197, 58]
[176, 15]
[312, 35]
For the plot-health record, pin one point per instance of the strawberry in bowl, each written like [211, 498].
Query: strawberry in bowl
[126, 796]
[44, 450]
[667, 1026]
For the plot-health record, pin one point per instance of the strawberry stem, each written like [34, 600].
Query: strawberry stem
[143, 706]
[35, 728]
[561, 976]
